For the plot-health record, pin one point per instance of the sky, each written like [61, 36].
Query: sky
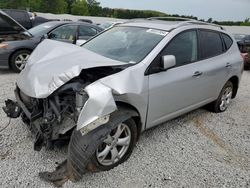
[233, 10]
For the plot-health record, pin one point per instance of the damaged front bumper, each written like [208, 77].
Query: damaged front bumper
[52, 120]
[43, 124]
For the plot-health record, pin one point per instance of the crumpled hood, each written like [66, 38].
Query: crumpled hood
[53, 64]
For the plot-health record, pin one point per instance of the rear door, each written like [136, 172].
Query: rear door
[217, 63]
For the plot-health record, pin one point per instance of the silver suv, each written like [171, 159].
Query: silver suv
[103, 95]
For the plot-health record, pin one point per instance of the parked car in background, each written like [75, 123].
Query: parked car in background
[129, 78]
[16, 49]
[242, 39]
[246, 58]
[21, 16]
[108, 25]
[245, 53]
[243, 42]
[27, 19]
[85, 20]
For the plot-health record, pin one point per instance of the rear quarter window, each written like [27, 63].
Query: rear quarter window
[210, 43]
[227, 40]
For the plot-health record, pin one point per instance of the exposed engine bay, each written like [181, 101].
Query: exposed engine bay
[53, 119]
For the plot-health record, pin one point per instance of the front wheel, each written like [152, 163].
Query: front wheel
[116, 148]
[224, 100]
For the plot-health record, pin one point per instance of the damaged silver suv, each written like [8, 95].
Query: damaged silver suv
[101, 96]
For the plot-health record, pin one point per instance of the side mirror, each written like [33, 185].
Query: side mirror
[168, 62]
[45, 36]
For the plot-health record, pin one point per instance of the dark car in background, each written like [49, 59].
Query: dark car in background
[242, 39]
[21, 16]
[243, 42]
[17, 43]
[25, 18]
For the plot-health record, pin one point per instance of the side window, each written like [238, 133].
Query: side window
[67, 32]
[184, 47]
[87, 31]
[211, 44]
[228, 41]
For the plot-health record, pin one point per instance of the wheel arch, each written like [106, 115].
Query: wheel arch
[136, 117]
[235, 82]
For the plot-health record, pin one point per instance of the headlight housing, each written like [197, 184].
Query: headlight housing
[100, 121]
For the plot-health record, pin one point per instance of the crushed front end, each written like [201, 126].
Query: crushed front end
[51, 120]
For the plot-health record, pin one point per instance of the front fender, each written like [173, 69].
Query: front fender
[100, 103]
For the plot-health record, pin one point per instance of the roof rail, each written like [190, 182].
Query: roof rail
[199, 23]
[185, 21]
[170, 18]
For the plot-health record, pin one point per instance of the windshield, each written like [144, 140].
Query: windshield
[126, 44]
[42, 29]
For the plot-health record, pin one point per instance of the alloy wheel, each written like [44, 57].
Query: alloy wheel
[226, 98]
[115, 146]
[21, 60]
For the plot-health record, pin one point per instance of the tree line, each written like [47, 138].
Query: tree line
[93, 8]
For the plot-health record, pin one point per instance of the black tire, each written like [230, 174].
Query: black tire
[82, 149]
[14, 57]
[246, 67]
[215, 106]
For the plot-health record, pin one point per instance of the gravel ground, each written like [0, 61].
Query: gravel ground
[200, 149]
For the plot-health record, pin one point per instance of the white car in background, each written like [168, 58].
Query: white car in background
[108, 25]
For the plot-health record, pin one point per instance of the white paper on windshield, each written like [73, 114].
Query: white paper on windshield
[157, 32]
[47, 26]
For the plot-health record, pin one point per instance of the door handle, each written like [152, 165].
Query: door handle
[228, 65]
[197, 74]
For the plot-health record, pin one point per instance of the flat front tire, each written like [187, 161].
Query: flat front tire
[116, 148]
[103, 148]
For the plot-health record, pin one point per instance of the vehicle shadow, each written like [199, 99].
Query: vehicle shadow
[6, 71]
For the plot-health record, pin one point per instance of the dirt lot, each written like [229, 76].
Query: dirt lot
[200, 149]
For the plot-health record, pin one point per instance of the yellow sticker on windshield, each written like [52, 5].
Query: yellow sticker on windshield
[157, 32]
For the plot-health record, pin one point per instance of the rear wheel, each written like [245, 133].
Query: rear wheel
[224, 99]
[18, 60]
